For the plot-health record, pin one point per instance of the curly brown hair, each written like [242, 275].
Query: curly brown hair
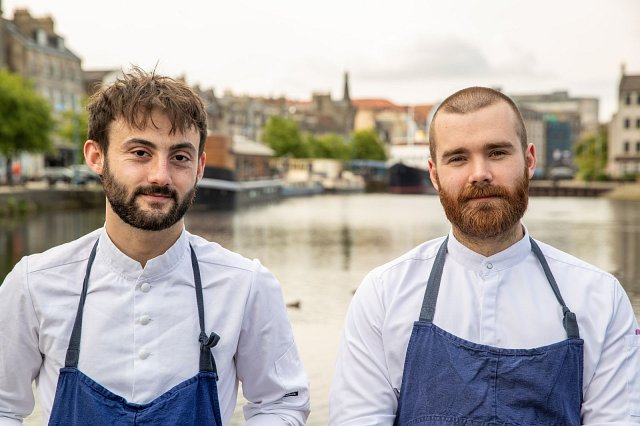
[135, 96]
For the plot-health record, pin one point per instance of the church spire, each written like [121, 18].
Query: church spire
[345, 94]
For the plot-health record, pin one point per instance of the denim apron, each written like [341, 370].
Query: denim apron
[80, 401]
[451, 381]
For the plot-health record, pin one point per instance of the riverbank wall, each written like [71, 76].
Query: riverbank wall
[626, 192]
[34, 197]
[18, 200]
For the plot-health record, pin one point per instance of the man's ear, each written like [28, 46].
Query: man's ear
[202, 161]
[433, 174]
[94, 156]
[530, 159]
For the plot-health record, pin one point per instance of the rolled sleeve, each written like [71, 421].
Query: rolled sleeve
[268, 365]
[20, 357]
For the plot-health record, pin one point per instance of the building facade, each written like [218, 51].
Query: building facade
[323, 115]
[536, 134]
[565, 119]
[2, 37]
[581, 112]
[242, 115]
[389, 120]
[35, 51]
[624, 129]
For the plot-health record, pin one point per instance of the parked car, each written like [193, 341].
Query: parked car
[54, 175]
[82, 174]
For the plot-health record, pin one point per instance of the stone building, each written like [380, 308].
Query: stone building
[34, 50]
[389, 120]
[324, 115]
[2, 37]
[624, 128]
[242, 115]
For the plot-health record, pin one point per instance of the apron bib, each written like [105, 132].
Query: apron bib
[80, 401]
[451, 381]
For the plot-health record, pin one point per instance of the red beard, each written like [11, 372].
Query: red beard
[480, 220]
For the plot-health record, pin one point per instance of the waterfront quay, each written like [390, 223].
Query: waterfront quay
[570, 188]
[38, 196]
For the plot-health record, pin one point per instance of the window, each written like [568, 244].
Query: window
[627, 99]
[627, 123]
[638, 123]
[626, 147]
[638, 147]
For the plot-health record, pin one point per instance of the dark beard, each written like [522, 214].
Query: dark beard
[490, 219]
[125, 206]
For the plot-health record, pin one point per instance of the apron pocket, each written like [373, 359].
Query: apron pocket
[633, 383]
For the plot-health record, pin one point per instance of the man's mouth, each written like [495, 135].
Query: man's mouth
[483, 197]
[156, 196]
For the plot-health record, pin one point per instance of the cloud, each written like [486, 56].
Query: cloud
[447, 58]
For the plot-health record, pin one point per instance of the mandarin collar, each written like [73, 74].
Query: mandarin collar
[110, 255]
[503, 260]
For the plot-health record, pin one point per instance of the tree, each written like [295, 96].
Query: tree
[283, 136]
[72, 127]
[26, 122]
[591, 155]
[365, 145]
[329, 146]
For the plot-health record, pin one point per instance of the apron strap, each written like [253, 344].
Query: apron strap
[73, 350]
[428, 310]
[569, 320]
[207, 362]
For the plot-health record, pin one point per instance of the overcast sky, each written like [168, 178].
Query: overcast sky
[406, 51]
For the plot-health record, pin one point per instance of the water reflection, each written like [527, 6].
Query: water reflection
[320, 248]
[625, 247]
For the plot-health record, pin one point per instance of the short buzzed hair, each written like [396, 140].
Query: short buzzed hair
[473, 99]
[135, 96]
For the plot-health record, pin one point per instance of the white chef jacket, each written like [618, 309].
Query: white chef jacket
[504, 301]
[140, 328]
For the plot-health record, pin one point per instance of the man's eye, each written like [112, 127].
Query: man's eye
[139, 153]
[181, 158]
[498, 153]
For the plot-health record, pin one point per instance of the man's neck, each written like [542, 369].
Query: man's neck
[490, 246]
[138, 244]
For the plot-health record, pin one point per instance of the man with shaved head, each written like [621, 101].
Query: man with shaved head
[486, 326]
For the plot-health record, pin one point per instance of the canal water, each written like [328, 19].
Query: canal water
[321, 247]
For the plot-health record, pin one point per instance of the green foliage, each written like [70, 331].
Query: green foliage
[283, 136]
[329, 146]
[591, 155]
[26, 117]
[72, 127]
[365, 145]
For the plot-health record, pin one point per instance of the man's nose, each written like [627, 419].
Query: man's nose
[159, 173]
[480, 172]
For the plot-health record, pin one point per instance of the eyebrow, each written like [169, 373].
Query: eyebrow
[495, 145]
[489, 146]
[182, 145]
[453, 152]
